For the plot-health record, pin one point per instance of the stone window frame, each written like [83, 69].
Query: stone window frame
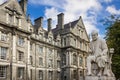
[41, 61]
[21, 41]
[20, 72]
[3, 72]
[58, 76]
[40, 75]
[40, 49]
[50, 75]
[21, 56]
[3, 36]
[50, 63]
[75, 74]
[74, 59]
[64, 59]
[80, 59]
[58, 63]
[31, 59]
[3, 53]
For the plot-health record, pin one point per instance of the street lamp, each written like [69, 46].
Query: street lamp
[111, 50]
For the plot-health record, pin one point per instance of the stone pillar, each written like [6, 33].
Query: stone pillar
[14, 48]
[14, 56]
[28, 58]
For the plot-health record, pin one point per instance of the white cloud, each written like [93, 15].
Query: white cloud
[2, 1]
[75, 8]
[113, 10]
[72, 9]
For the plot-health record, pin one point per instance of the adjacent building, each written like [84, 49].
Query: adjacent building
[29, 52]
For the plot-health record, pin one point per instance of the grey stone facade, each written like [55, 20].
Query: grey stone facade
[28, 52]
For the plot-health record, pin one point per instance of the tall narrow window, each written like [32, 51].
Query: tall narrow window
[3, 52]
[74, 74]
[31, 60]
[58, 64]
[80, 61]
[64, 59]
[40, 49]
[20, 56]
[58, 75]
[50, 75]
[41, 61]
[20, 73]
[3, 72]
[74, 59]
[64, 41]
[50, 63]
[75, 42]
[17, 21]
[50, 52]
[40, 75]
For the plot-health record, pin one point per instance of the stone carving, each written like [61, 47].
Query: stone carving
[99, 60]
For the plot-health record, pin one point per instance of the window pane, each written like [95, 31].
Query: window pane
[3, 52]
[2, 71]
[20, 56]
[20, 72]
[50, 75]
[40, 75]
[20, 41]
[41, 61]
[3, 37]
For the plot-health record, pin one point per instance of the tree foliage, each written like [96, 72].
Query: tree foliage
[113, 41]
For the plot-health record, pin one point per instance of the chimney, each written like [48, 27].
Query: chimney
[49, 24]
[23, 4]
[38, 22]
[61, 21]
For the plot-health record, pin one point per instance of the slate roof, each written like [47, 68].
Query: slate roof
[68, 25]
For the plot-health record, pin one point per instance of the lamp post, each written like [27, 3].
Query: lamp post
[111, 51]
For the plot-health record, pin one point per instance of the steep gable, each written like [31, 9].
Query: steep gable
[80, 30]
[12, 14]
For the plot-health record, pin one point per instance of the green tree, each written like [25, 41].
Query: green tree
[113, 41]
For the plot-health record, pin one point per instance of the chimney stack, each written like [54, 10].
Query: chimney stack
[49, 24]
[61, 21]
[38, 22]
[23, 4]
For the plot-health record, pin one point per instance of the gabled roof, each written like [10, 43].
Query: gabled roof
[66, 26]
[71, 24]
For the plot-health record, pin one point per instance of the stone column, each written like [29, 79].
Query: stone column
[28, 58]
[13, 58]
[14, 48]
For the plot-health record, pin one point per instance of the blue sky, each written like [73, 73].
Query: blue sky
[92, 11]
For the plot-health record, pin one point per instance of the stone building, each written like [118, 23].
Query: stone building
[28, 52]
